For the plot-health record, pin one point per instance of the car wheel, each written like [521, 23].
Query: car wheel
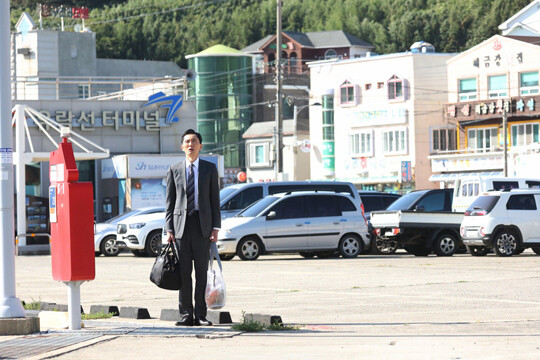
[152, 245]
[418, 250]
[384, 246]
[478, 250]
[350, 246]
[226, 257]
[445, 245]
[108, 246]
[506, 243]
[249, 249]
[536, 249]
[307, 254]
[139, 253]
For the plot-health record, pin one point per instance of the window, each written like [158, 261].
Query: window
[524, 134]
[380, 85]
[444, 139]
[321, 206]
[395, 142]
[395, 88]
[505, 185]
[433, 202]
[498, 86]
[291, 208]
[345, 204]
[528, 83]
[330, 54]
[521, 202]
[368, 86]
[84, 91]
[259, 155]
[244, 198]
[361, 144]
[482, 139]
[346, 91]
[467, 89]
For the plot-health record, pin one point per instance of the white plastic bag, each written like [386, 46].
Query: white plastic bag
[215, 293]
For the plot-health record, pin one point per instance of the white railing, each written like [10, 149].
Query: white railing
[94, 88]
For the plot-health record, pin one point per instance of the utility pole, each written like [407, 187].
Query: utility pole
[505, 145]
[279, 111]
[10, 306]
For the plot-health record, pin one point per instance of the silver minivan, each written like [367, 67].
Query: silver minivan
[235, 198]
[307, 222]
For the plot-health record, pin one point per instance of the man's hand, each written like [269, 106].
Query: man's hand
[170, 237]
[213, 236]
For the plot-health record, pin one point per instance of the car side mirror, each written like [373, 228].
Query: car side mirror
[420, 208]
[271, 215]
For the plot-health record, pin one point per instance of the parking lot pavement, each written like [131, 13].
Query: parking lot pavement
[395, 307]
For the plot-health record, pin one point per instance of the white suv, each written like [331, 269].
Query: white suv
[507, 221]
[142, 233]
[310, 223]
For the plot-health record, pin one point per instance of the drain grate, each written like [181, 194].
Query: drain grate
[184, 332]
[38, 344]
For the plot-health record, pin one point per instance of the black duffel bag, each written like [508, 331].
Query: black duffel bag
[166, 270]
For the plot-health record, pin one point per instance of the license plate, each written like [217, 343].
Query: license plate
[471, 233]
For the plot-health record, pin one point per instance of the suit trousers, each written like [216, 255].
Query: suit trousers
[194, 249]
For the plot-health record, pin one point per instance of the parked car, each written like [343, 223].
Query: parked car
[467, 188]
[376, 200]
[141, 234]
[506, 221]
[105, 233]
[236, 198]
[311, 223]
[420, 222]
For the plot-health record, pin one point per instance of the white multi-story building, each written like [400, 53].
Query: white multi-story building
[493, 87]
[377, 116]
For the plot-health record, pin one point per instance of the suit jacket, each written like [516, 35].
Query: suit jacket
[176, 199]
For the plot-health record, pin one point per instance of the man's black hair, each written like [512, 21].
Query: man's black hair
[190, 132]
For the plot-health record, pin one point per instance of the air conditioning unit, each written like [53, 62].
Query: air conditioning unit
[23, 51]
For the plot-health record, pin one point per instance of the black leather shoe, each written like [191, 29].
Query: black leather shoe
[185, 320]
[202, 321]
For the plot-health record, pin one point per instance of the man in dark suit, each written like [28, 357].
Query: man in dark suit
[192, 219]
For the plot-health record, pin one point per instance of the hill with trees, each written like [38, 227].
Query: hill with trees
[172, 29]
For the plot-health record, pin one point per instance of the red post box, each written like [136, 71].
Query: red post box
[72, 218]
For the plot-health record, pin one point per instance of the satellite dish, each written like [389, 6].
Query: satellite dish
[77, 28]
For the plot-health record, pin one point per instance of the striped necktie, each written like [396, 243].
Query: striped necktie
[191, 192]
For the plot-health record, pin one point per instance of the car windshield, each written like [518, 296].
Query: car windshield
[486, 202]
[121, 217]
[405, 202]
[258, 206]
[226, 192]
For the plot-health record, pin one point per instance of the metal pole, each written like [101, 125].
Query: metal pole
[295, 135]
[505, 144]
[279, 112]
[74, 304]
[10, 306]
[20, 147]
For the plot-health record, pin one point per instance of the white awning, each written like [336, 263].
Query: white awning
[454, 176]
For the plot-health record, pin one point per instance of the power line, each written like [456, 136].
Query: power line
[161, 12]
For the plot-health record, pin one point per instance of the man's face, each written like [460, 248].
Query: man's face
[191, 145]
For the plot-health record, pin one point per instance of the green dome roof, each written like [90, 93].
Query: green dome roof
[219, 50]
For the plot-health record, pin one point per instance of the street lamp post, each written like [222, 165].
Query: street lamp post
[10, 306]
